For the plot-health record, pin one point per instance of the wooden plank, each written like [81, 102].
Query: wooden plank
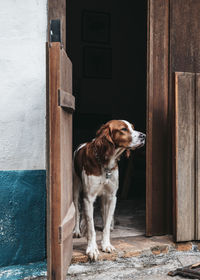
[48, 191]
[66, 100]
[197, 149]
[67, 225]
[157, 213]
[185, 156]
[66, 72]
[66, 162]
[60, 206]
[184, 36]
[54, 258]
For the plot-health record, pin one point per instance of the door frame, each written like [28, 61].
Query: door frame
[158, 146]
[158, 124]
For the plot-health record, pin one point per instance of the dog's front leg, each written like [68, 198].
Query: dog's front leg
[110, 208]
[104, 212]
[92, 249]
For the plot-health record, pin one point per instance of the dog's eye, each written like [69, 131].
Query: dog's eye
[124, 129]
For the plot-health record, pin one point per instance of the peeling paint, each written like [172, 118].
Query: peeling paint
[17, 272]
[22, 216]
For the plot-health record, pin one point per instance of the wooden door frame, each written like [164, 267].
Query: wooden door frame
[158, 147]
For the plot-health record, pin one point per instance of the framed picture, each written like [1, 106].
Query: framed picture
[97, 62]
[96, 27]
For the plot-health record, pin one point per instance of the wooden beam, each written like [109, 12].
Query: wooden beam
[157, 216]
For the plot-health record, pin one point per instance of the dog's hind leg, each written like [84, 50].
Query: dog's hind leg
[76, 192]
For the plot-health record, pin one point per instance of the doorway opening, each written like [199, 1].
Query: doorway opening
[106, 42]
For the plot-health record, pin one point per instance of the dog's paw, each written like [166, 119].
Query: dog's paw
[76, 233]
[107, 247]
[92, 252]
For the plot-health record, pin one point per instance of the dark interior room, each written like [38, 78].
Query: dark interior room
[106, 42]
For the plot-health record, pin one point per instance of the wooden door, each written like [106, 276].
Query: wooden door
[173, 46]
[60, 208]
[186, 157]
[184, 85]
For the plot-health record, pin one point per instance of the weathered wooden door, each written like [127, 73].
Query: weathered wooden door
[60, 208]
[173, 46]
[185, 58]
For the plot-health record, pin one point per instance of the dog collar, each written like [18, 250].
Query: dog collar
[108, 173]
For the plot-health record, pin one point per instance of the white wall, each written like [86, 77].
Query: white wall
[23, 25]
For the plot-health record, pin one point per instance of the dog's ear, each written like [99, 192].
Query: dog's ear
[104, 143]
[105, 132]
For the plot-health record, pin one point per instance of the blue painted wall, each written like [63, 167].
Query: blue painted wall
[22, 216]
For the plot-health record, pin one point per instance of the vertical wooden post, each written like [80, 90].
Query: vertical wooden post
[157, 117]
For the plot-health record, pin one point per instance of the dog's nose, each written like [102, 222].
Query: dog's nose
[142, 136]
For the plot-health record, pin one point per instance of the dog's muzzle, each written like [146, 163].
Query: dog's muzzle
[142, 138]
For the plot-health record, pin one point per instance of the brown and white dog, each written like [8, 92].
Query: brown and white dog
[96, 173]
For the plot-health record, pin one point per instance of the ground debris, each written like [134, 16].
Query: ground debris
[190, 271]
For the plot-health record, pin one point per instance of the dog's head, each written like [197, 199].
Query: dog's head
[121, 134]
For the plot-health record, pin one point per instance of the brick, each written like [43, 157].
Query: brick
[157, 250]
[132, 254]
[183, 246]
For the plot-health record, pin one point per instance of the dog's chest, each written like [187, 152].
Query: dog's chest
[107, 182]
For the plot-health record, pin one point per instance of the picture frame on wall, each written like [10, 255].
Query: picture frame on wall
[97, 62]
[96, 27]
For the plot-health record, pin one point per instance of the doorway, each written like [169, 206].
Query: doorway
[106, 42]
